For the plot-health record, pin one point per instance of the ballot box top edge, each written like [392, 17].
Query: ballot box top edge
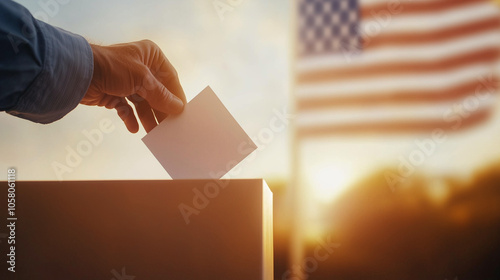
[137, 180]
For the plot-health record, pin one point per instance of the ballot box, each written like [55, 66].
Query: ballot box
[124, 230]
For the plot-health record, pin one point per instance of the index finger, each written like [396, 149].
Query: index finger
[160, 97]
[167, 75]
[161, 68]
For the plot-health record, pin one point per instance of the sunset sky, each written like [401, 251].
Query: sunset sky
[245, 58]
[242, 57]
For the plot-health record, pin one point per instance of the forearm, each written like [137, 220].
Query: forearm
[45, 70]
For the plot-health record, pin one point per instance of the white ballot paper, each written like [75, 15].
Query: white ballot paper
[203, 142]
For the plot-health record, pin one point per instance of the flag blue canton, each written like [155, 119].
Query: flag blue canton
[328, 26]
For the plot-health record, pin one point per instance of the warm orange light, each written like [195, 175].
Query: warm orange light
[327, 183]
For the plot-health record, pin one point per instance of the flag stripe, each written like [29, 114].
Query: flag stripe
[415, 54]
[386, 112]
[482, 56]
[421, 37]
[428, 22]
[403, 82]
[396, 97]
[392, 126]
[417, 7]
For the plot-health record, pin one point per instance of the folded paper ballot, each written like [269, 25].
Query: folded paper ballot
[204, 141]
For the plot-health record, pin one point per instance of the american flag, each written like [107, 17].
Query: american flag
[392, 66]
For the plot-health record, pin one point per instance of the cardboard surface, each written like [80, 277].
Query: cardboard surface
[116, 229]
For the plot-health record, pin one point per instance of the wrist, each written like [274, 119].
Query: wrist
[97, 52]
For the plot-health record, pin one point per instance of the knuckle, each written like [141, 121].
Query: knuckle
[149, 43]
[136, 98]
[151, 46]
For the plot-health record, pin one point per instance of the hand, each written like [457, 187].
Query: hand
[140, 73]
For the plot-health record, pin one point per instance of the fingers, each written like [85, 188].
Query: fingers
[109, 101]
[144, 112]
[126, 113]
[167, 75]
[160, 116]
[159, 97]
[141, 68]
[158, 64]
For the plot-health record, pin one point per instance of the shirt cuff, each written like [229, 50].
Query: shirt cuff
[64, 79]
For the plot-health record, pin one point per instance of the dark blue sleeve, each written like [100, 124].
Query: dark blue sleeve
[44, 70]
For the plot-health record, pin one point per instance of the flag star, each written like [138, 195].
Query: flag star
[353, 42]
[344, 30]
[353, 16]
[318, 21]
[327, 32]
[327, 7]
[336, 43]
[344, 5]
[318, 47]
[309, 35]
[336, 18]
[309, 9]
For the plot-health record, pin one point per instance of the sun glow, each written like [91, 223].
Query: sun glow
[327, 183]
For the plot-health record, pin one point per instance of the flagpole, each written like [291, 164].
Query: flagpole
[295, 188]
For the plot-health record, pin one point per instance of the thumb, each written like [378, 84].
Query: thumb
[159, 97]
